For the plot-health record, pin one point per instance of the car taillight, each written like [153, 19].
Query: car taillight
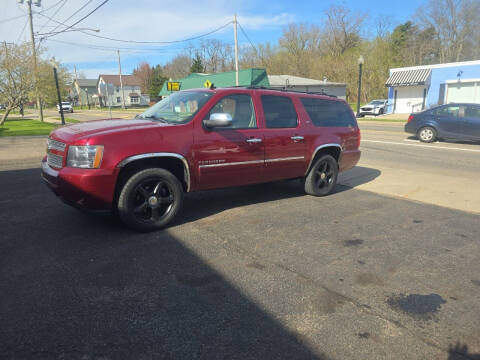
[410, 118]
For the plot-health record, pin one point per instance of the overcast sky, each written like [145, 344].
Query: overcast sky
[151, 20]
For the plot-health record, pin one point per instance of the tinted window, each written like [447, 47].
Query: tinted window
[279, 112]
[450, 111]
[328, 112]
[472, 112]
[240, 108]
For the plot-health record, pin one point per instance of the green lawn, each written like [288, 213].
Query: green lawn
[27, 127]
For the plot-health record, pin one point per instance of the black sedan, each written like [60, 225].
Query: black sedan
[450, 121]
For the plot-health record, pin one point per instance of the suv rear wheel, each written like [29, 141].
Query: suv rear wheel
[427, 134]
[322, 177]
[150, 199]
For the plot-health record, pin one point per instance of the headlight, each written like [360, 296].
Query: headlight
[87, 157]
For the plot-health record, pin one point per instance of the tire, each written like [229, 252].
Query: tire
[150, 199]
[427, 134]
[322, 176]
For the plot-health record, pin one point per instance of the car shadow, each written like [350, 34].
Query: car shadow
[202, 204]
[83, 287]
[447, 141]
[460, 352]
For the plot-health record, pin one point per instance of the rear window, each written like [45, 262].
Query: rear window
[328, 112]
[279, 112]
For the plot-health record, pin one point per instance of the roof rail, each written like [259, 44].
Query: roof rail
[287, 90]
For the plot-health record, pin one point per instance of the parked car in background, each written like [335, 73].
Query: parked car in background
[451, 121]
[198, 140]
[2, 107]
[374, 107]
[66, 106]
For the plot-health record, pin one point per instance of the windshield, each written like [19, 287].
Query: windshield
[376, 102]
[178, 108]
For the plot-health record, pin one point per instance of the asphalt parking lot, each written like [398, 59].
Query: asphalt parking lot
[261, 271]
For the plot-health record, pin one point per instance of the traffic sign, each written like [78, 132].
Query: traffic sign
[207, 83]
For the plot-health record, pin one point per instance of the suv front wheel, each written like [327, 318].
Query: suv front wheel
[322, 177]
[150, 199]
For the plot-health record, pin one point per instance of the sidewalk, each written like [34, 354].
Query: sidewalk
[21, 152]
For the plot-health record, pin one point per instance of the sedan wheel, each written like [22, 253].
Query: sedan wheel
[427, 134]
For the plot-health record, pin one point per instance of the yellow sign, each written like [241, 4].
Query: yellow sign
[207, 83]
[173, 86]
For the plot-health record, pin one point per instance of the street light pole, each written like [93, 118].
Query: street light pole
[88, 102]
[360, 64]
[236, 48]
[34, 55]
[58, 94]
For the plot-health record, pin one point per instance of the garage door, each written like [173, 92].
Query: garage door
[463, 92]
[409, 98]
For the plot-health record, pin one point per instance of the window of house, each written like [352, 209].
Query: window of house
[117, 88]
[324, 112]
[240, 107]
[118, 99]
[134, 99]
[279, 111]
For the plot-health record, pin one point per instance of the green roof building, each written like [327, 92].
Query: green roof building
[247, 77]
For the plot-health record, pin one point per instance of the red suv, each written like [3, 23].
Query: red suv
[198, 140]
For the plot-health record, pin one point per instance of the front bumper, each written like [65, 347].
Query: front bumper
[91, 189]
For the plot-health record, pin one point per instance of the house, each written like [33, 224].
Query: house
[419, 87]
[246, 77]
[110, 91]
[83, 91]
[297, 83]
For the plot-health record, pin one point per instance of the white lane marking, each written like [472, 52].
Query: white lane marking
[419, 145]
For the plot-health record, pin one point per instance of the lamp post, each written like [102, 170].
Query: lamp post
[360, 60]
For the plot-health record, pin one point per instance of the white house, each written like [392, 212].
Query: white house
[418, 87]
[110, 91]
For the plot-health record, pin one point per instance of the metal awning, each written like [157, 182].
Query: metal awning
[409, 77]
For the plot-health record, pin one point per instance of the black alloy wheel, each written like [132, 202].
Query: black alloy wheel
[322, 177]
[150, 199]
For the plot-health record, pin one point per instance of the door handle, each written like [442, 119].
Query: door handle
[254, 140]
[297, 138]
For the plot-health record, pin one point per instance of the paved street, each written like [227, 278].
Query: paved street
[387, 267]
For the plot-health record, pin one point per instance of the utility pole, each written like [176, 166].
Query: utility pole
[58, 94]
[34, 54]
[76, 83]
[236, 48]
[121, 82]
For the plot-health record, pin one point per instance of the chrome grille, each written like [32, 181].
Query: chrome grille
[54, 160]
[55, 145]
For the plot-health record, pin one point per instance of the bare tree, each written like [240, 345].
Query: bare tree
[342, 29]
[16, 80]
[456, 24]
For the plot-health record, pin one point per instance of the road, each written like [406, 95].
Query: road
[252, 272]
[87, 115]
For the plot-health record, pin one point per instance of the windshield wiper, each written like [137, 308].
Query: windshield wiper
[153, 117]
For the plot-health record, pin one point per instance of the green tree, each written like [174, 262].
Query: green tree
[156, 83]
[197, 64]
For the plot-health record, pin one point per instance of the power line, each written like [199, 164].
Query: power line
[12, 18]
[75, 13]
[23, 29]
[55, 13]
[79, 21]
[251, 43]
[115, 48]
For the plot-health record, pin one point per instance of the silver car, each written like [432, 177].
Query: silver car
[66, 107]
[374, 107]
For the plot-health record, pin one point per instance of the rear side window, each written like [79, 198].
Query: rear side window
[324, 112]
[472, 112]
[279, 112]
[450, 111]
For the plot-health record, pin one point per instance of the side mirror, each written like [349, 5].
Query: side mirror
[218, 120]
